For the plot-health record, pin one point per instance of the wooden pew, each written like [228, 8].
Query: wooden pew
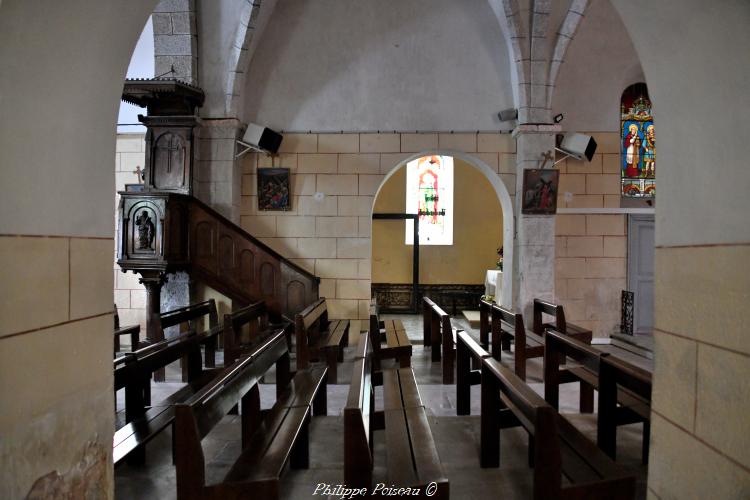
[412, 458]
[632, 393]
[133, 373]
[467, 351]
[360, 419]
[543, 307]
[187, 317]
[269, 439]
[556, 448]
[133, 331]
[314, 334]
[506, 325]
[443, 337]
[397, 343]
[618, 378]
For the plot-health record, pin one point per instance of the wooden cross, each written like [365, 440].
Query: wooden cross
[170, 149]
[138, 173]
[547, 156]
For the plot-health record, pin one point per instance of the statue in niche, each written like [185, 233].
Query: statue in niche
[146, 231]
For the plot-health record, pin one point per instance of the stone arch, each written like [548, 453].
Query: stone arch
[249, 29]
[565, 35]
[503, 196]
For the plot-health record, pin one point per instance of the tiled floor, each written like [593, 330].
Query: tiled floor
[457, 439]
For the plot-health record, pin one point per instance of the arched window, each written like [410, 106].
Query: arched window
[429, 192]
[638, 164]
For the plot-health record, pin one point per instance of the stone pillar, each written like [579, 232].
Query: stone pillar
[534, 250]
[174, 294]
[218, 177]
[153, 281]
[176, 40]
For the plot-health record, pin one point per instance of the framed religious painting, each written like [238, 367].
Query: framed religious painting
[540, 191]
[273, 189]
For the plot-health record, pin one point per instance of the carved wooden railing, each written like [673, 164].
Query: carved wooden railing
[189, 235]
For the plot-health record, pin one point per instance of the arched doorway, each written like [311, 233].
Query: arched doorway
[503, 198]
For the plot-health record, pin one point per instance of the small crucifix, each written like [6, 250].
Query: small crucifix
[172, 147]
[547, 156]
[138, 173]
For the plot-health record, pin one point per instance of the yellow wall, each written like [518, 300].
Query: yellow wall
[477, 232]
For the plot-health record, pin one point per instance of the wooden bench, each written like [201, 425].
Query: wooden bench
[556, 448]
[412, 458]
[133, 331]
[633, 397]
[269, 439]
[443, 339]
[143, 421]
[397, 343]
[506, 325]
[556, 311]
[188, 317]
[468, 352]
[314, 334]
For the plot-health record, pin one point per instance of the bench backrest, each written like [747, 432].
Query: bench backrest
[427, 317]
[485, 315]
[555, 310]
[375, 326]
[556, 347]
[195, 418]
[505, 320]
[617, 371]
[136, 367]
[357, 420]
[315, 312]
[247, 322]
[190, 313]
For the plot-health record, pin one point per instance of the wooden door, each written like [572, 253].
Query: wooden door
[641, 271]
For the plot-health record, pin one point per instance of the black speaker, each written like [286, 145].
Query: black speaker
[263, 137]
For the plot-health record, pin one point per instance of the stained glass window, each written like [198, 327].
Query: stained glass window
[429, 192]
[638, 159]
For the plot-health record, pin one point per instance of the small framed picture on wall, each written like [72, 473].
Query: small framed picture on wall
[540, 191]
[273, 189]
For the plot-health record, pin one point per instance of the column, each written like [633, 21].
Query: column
[534, 245]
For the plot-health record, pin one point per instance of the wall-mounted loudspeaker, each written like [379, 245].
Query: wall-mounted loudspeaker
[262, 137]
[578, 145]
[507, 115]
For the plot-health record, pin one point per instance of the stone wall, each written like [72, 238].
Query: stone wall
[591, 248]
[331, 237]
[129, 295]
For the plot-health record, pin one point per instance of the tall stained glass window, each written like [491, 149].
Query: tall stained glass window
[638, 162]
[429, 193]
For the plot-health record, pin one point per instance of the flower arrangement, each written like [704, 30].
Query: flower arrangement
[499, 262]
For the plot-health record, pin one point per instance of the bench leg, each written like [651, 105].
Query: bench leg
[586, 398]
[520, 362]
[645, 444]
[332, 362]
[211, 353]
[448, 366]
[404, 361]
[490, 429]
[137, 456]
[463, 387]
[300, 457]
[320, 402]
[250, 419]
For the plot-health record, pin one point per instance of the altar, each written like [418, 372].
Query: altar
[493, 284]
